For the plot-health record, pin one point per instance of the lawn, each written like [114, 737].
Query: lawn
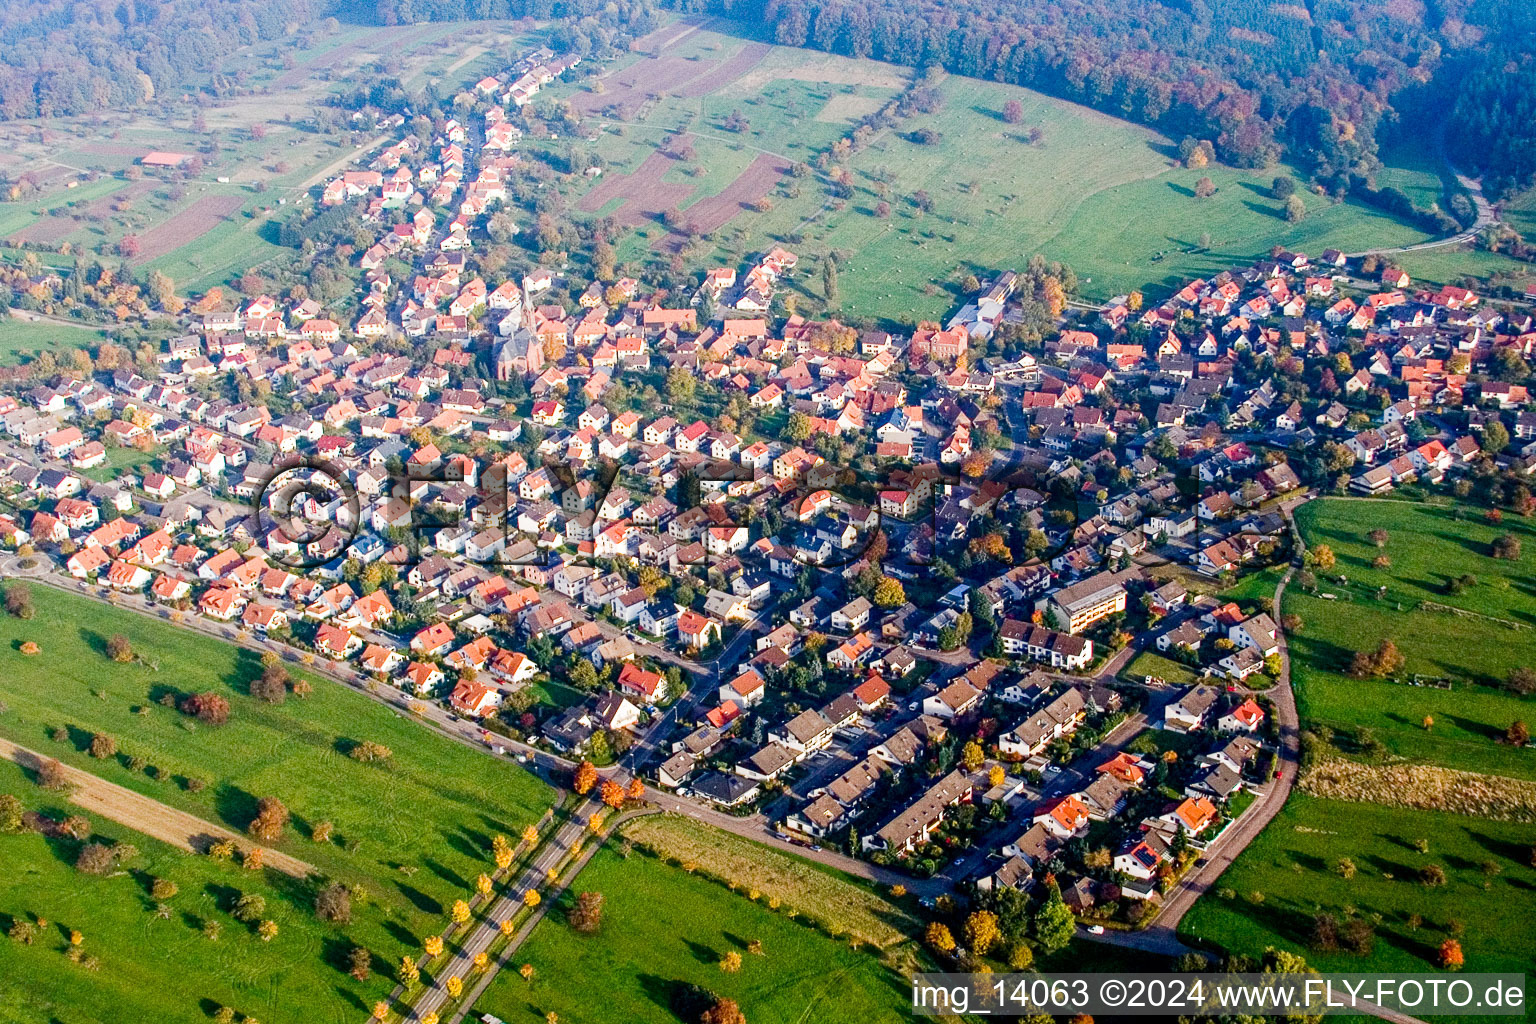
[414, 830]
[1150, 663]
[664, 931]
[166, 970]
[22, 339]
[1427, 546]
[1293, 864]
[121, 460]
[1093, 191]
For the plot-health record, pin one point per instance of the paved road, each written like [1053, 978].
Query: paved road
[1162, 933]
[461, 964]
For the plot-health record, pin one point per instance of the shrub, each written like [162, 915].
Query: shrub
[334, 904]
[119, 649]
[250, 907]
[96, 859]
[272, 685]
[103, 746]
[207, 707]
[18, 600]
[368, 752]
[271, 818]
[51, 775]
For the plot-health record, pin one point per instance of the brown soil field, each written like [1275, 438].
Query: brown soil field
[191, 223]
[57, 226]
[151, 817]
[657, 41]
[750, 185]
[631, 87]
[726, 71]
[646, 196]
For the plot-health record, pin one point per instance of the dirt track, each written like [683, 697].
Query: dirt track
[149, 816]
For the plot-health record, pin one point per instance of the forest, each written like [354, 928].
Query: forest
[90, 55]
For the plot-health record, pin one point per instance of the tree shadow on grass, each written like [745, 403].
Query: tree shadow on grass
[1516, 852]
[401, 934]
[1411, 943]
[446, 873]
[335, 951]
[234, 806]
[224, 896]
[1398, 870]
[684, 1000]
[472, 844]
[1286, 922]
[351, 998]
[418, 899]
[1266, 211]
[1486, 731]
[79, 738]
[95, 641]
[702, 953]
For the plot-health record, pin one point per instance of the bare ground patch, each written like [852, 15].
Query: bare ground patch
[823, 69]
[57, 226]
[847, 106]
[186, 226]
[151, 817]
[716, 211]
[646, 196]
[657, 41]
[624, 90]
[727, 71]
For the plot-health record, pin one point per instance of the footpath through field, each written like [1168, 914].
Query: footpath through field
[151, 817]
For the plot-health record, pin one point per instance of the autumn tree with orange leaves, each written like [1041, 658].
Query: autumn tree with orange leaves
[586, 778]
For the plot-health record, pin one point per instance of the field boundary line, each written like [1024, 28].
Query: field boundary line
[145, 814]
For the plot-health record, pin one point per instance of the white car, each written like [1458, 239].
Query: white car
[1095, 929]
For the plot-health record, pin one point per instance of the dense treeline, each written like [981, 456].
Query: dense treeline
[1495, 122]
[90, 55]
[586, 26]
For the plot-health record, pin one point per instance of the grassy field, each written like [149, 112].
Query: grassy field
[663, 931]
[1451, 263]
[1427, 547]
[844, 904]
[166, 970]
[1098, 193]
[414, 830]
[1293, 864]
[20, 339]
